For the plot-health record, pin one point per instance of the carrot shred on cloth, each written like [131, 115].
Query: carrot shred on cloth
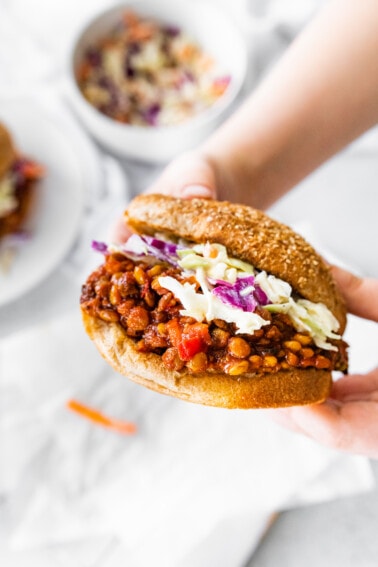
[100, 419]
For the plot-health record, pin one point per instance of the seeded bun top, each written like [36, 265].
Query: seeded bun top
[7, 151]
[248, 234]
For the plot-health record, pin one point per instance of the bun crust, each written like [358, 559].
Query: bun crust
[280, 389]
[7, 151]
[248, 234]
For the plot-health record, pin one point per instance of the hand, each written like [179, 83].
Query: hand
[188, 176]
[348, 420]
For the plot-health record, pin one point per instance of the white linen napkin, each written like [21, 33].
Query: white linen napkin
[188, 470]
[194, 486]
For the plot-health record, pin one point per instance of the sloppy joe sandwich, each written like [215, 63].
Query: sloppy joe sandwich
[218, 304]
[17, 181]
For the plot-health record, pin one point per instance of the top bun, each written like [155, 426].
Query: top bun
[248, 234]
[7, 151]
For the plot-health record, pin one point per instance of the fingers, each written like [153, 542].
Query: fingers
[355, 387]
[323, 424]
[350, 426]
[360, 294]
[119, 232]
[295, 419]
[191, 175]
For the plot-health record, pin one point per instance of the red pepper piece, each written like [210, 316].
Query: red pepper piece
[189, 346]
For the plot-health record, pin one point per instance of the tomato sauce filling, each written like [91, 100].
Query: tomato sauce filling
[128, 293]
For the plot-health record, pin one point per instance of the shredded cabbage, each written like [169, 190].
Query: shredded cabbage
[146, 247]
[214, 258]
[240, 294]
[313, 318]
[231, 288]
[276, 289]
[207, 306]
[8, 199]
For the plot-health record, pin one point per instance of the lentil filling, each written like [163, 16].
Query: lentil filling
[128, 293]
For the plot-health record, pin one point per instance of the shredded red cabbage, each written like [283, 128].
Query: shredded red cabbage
[232, 294]
[163, 251]
[260, 296]
[151, 249]
[151, 114]
[223, 81]
[99, 246]
[19, 236]
[135, 245]
[144, 247]
[212, 281]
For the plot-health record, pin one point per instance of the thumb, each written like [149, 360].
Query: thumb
[360, 294]
[200, 191]
[188, 176]
[191, 175]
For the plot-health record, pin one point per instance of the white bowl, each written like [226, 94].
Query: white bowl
[207, 25]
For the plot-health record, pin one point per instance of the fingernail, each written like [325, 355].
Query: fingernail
[200, 191]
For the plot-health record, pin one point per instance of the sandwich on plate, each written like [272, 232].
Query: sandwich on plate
[18, 175]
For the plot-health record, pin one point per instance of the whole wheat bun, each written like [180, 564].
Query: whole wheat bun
[249, 235]
[7, 151]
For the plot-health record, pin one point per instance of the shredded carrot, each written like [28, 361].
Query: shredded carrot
[33, 170]
[130, 19]
[205, 62]
[100, 419]
[217, 89]
[186, 53]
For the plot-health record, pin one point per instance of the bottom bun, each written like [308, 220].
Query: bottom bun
[269, 390]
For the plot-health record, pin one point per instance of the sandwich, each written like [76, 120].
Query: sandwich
[18, 175]
[218, 304]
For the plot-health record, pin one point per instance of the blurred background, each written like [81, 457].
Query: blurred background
[192, 486]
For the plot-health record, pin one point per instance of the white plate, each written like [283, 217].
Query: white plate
[55, 218]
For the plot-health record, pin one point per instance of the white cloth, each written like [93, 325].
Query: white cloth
[194, 486]
[186, 470]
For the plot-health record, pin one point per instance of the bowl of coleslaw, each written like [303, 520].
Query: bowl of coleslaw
[150, 80]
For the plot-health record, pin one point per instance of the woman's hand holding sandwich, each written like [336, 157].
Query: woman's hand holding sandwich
[348, 420]
[295, 120]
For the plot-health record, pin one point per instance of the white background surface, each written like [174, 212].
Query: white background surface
[338, 204]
